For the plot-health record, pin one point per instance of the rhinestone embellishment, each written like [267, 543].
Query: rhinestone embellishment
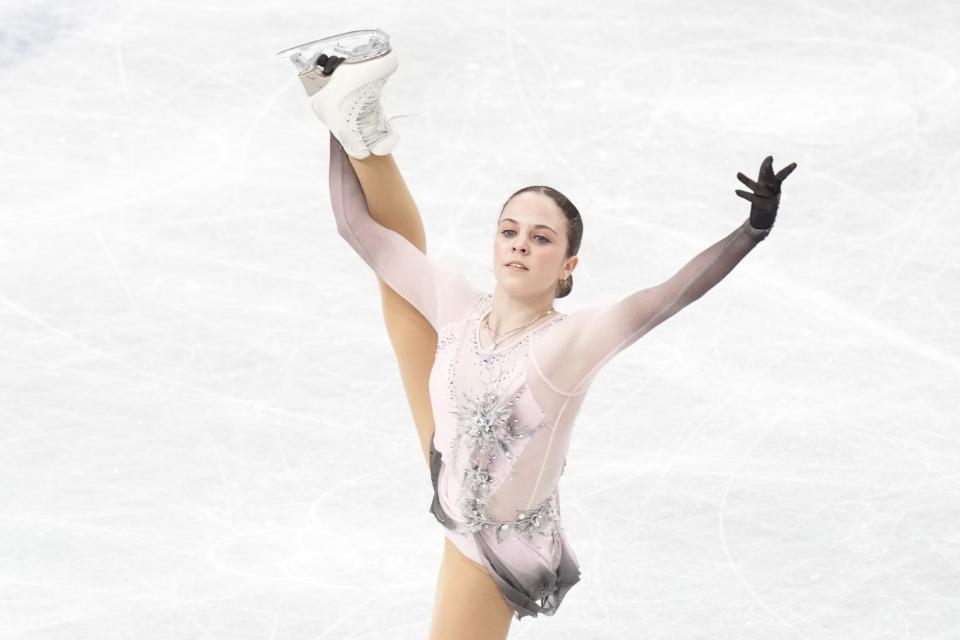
[487, 425]
[477, 479]
[541, 521]
[487, 429]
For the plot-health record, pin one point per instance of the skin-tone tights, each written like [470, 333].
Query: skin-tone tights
[468, 604]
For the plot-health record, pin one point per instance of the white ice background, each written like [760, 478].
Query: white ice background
[203, 433]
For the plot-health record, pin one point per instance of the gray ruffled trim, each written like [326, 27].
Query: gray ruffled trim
[544, 595]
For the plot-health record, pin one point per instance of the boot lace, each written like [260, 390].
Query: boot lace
[369, 121]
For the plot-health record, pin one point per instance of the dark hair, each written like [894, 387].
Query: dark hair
[574, 227]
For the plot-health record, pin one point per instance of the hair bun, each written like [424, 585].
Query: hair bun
[565, 286]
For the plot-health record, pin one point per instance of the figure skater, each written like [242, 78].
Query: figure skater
[494, 381]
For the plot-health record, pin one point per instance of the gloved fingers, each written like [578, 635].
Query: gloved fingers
[766, 175]
[787, 170]
[329, 63]
[766, 168]
[766, 181]
[747, 181]
[755, 199]
[332, 64]
[773, 181]
[766, 189]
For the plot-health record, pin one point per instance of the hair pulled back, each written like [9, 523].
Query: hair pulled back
[574, 227]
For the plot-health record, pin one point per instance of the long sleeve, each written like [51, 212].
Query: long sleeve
[570, 359]
[440, 294]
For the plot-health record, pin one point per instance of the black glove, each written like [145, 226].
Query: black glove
[328, 63]
[766, 193]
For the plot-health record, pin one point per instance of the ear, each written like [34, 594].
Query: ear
[571, 264]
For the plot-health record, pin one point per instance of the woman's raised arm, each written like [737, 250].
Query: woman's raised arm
[570, 359]
[440, 294]
[596, 334]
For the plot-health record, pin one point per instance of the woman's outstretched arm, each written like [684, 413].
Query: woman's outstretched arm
[438, 293]
[596, 334]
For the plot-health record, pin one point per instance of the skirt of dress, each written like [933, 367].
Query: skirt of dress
[530, 585]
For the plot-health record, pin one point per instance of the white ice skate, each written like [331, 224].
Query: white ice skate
[348, 100]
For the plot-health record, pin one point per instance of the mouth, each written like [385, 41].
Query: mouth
[513, 265]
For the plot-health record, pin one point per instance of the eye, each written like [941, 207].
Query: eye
[545, 238]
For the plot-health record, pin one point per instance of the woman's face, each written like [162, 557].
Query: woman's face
[532, 230]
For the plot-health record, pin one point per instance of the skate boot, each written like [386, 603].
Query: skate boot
[343, 76]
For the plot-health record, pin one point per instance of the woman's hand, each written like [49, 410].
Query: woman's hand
[328, 63]
[766, 193]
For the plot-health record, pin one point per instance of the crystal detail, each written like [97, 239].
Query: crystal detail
[487, 424]
[486, 429]
[477, 479]
[543, 520]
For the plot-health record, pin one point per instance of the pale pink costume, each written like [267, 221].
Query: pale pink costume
[504, 417]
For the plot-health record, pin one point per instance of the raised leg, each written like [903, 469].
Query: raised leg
[413, 338]
[468, 604]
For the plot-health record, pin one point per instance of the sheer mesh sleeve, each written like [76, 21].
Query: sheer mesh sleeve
[442, 295]
[568, 360]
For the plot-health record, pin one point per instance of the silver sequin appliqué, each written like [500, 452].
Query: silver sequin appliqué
[487, 425]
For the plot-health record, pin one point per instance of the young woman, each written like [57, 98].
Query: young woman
[495, 381]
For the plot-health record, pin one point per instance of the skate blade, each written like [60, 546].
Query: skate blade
[353, 46]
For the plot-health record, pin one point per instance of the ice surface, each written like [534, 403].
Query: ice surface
[203, 433]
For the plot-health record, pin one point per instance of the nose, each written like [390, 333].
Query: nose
[519, 244]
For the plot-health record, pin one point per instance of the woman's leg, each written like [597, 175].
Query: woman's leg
[413, 338]
[468, 605]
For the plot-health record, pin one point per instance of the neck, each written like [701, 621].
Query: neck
[509, 312]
